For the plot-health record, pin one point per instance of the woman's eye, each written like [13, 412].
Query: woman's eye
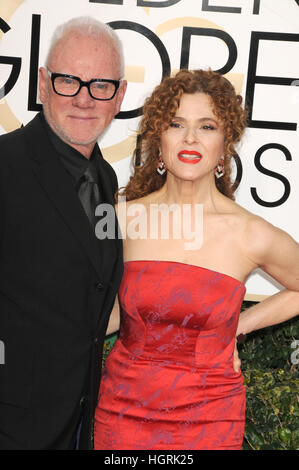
[209, 127]
[176, 125]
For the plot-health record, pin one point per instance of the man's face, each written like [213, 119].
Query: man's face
[80, 120]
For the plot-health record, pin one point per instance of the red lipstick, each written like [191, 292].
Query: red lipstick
[189, 156]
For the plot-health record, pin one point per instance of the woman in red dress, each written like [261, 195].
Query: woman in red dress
[169, 382]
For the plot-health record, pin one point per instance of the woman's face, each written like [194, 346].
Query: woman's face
[192, 145]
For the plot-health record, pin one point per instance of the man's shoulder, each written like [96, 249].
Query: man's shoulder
[14, 144]
[12, 147]
[13, 136]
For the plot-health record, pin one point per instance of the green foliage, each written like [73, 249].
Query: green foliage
[271, 377]
[108, 345]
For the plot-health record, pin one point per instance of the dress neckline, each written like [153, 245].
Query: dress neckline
[184, 264]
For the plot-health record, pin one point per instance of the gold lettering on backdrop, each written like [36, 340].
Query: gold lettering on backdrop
[185, 21]
[237, 79]
[120, 151]
[134, 73]
[7, 9]
[8, 120]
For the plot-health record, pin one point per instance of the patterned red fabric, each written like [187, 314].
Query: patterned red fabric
[169, 381]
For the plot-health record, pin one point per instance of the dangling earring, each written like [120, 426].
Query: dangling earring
[161, 168]
[220, 171]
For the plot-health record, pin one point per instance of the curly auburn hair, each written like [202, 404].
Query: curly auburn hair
[158, 112]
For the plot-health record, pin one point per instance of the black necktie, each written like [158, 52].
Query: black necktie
[89, 193]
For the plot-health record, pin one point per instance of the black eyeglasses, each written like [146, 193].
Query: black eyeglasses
[69, 85]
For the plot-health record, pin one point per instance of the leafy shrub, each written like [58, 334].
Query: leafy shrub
[108, 345]
[271, 377]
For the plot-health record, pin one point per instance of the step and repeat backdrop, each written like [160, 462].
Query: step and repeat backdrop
[254, 43]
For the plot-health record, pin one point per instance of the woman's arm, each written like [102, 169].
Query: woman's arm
[277, 253]
[275, 309]
[114, 321]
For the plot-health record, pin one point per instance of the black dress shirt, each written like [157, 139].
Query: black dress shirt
[73, 161]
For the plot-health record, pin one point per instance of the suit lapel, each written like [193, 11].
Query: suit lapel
[104, 182]
[110, 248]
[58, 186]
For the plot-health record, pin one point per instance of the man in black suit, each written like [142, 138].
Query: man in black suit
[58, 280]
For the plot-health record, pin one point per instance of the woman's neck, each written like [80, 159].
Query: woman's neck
[176, 191]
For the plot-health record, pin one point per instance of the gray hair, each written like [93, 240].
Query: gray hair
[87, 26]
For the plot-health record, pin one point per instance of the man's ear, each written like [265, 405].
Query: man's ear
[43, 84]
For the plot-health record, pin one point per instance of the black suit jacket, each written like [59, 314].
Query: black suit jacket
[57, 287]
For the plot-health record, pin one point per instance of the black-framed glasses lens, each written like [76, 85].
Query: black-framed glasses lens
[99, 89]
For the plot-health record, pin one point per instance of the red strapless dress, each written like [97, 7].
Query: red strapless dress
[169, 381]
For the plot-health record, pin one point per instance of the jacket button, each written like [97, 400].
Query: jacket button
[82, 401]
[99, 286]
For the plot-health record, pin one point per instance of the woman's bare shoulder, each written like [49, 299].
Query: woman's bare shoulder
[260, 238]
[252, 230]
[235, 216]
